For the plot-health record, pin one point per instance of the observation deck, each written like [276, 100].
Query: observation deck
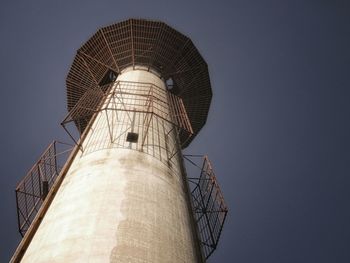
[151, 45]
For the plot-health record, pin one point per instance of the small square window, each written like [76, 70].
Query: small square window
[132, 137]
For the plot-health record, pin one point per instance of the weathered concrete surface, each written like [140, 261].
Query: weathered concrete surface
[116, 204]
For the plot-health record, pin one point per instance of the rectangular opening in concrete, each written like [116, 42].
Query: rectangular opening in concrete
[132, 137]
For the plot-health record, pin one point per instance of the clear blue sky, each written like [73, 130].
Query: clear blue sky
[278, 128]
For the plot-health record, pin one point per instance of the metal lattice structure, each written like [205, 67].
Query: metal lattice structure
[208, 204]
[150, 44]
[31, 191]
[133, 97]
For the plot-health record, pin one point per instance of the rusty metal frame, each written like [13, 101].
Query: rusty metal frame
[84, 110]
[208, 204]
[16, 258]
[151, 100]
[150, 44]
[32, 190]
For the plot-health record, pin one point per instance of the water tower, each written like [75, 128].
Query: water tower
[138, 93]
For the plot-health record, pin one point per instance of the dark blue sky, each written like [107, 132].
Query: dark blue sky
[278, 128]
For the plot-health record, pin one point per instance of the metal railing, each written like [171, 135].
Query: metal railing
[148, 101]
[208, 204]
[32, 190]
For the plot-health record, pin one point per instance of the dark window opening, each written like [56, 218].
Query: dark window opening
[169, 83]
[132, 137]
[108, 78]
[45, 185]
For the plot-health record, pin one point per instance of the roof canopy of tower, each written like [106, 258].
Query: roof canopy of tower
[152, 44]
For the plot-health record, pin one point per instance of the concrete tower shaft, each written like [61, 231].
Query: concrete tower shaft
[125, 195]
